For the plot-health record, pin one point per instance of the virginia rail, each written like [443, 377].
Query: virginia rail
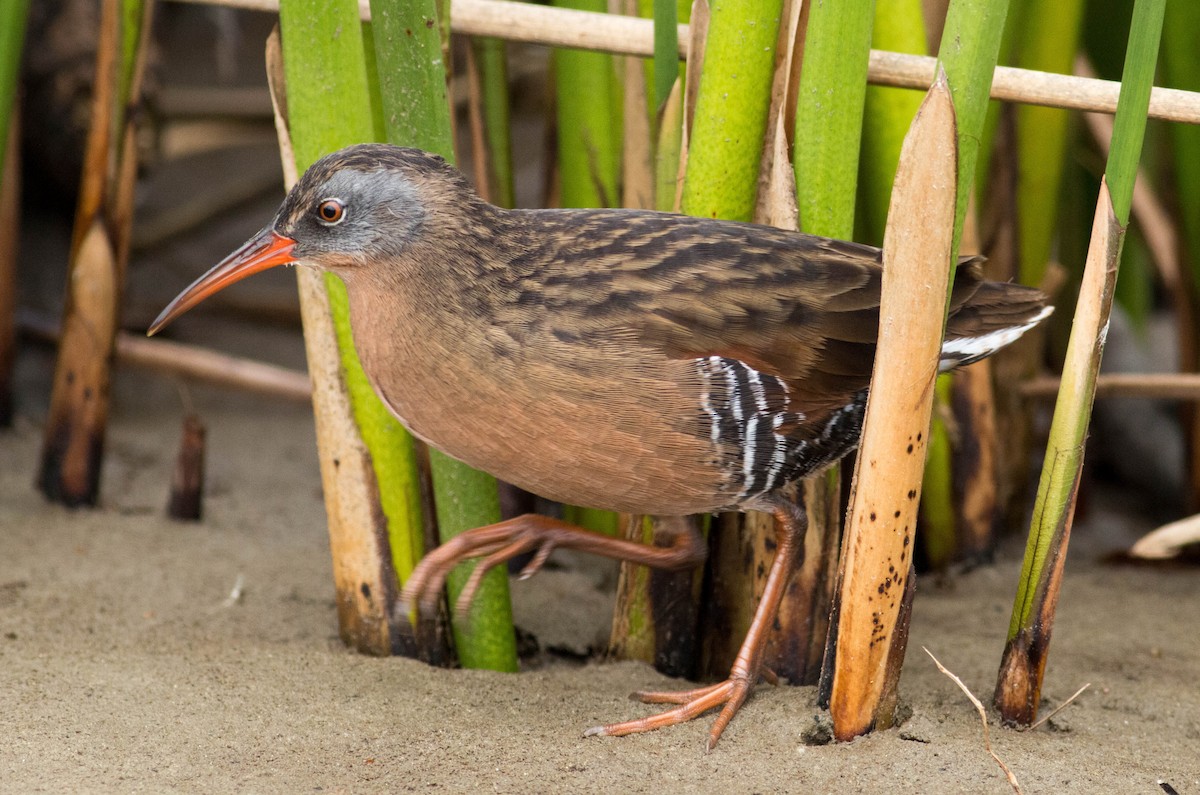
[635, 361]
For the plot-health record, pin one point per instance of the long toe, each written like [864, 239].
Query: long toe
[729, 695]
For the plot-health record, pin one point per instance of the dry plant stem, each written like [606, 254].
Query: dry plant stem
[74, 437]
[189, 361]
[655, 616]
[637, 159]
[186, 501]
[739, 555]
[1168, 386]
[987, 739]
[1024, 661]
[976, 471]
[553, 27]
[891, 458]
[10, 224]
[364, 580]
[1059, 708]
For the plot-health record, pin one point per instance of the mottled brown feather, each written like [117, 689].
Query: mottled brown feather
[557, 348]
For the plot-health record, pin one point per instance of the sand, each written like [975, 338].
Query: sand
[126, 667]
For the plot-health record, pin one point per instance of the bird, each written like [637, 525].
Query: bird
[630, 360]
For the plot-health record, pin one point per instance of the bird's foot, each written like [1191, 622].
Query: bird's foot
[541, 535]
[729, 695]
[495, 544]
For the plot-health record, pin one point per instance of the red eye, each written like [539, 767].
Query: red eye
[331, 211]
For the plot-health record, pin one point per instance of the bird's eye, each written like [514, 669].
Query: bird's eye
[331, 211]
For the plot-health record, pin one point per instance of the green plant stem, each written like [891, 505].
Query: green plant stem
[899, 27]
[589, 122]
[969, 51]
[829, 114]
[1048, 42]
[492, 65]
[666, 51]
[731, 110]
[13, 16]
[1018, 687]
[416, 110]
[330, 108]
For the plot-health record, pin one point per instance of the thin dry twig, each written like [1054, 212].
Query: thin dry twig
[1056, 710]
[564, 27]
[188, 361]
[987, 737]
[1170, 386]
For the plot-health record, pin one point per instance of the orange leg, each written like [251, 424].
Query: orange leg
[791, 524]
[498, 542]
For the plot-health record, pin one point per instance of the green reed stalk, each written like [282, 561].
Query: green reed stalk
[410, 53]
[1018, 688]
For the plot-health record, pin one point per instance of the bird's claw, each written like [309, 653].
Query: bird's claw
[494, 544]
[729, 695]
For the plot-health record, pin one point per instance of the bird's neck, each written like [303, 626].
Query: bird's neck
[431, 312]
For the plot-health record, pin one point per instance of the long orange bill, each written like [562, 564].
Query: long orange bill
[265, 250]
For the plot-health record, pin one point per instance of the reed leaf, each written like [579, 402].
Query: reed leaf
[1018, 688]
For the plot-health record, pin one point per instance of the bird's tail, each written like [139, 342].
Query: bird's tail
[985, 316]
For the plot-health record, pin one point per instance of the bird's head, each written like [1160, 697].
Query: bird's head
[353, 209]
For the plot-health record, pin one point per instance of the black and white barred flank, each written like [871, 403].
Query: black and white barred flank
[747, 412]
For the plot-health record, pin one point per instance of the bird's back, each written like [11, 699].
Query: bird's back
[667, 364]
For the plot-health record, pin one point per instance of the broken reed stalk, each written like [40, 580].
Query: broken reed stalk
[186, 500]
[654, 619]
[322, 69]
[877, 562]
[73, 444]
[412, 64]
[1018, 686]
[554, 27]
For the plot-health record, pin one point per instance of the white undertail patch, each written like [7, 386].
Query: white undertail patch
[964, 350]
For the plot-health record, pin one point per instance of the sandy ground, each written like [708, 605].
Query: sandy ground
[123, 667]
